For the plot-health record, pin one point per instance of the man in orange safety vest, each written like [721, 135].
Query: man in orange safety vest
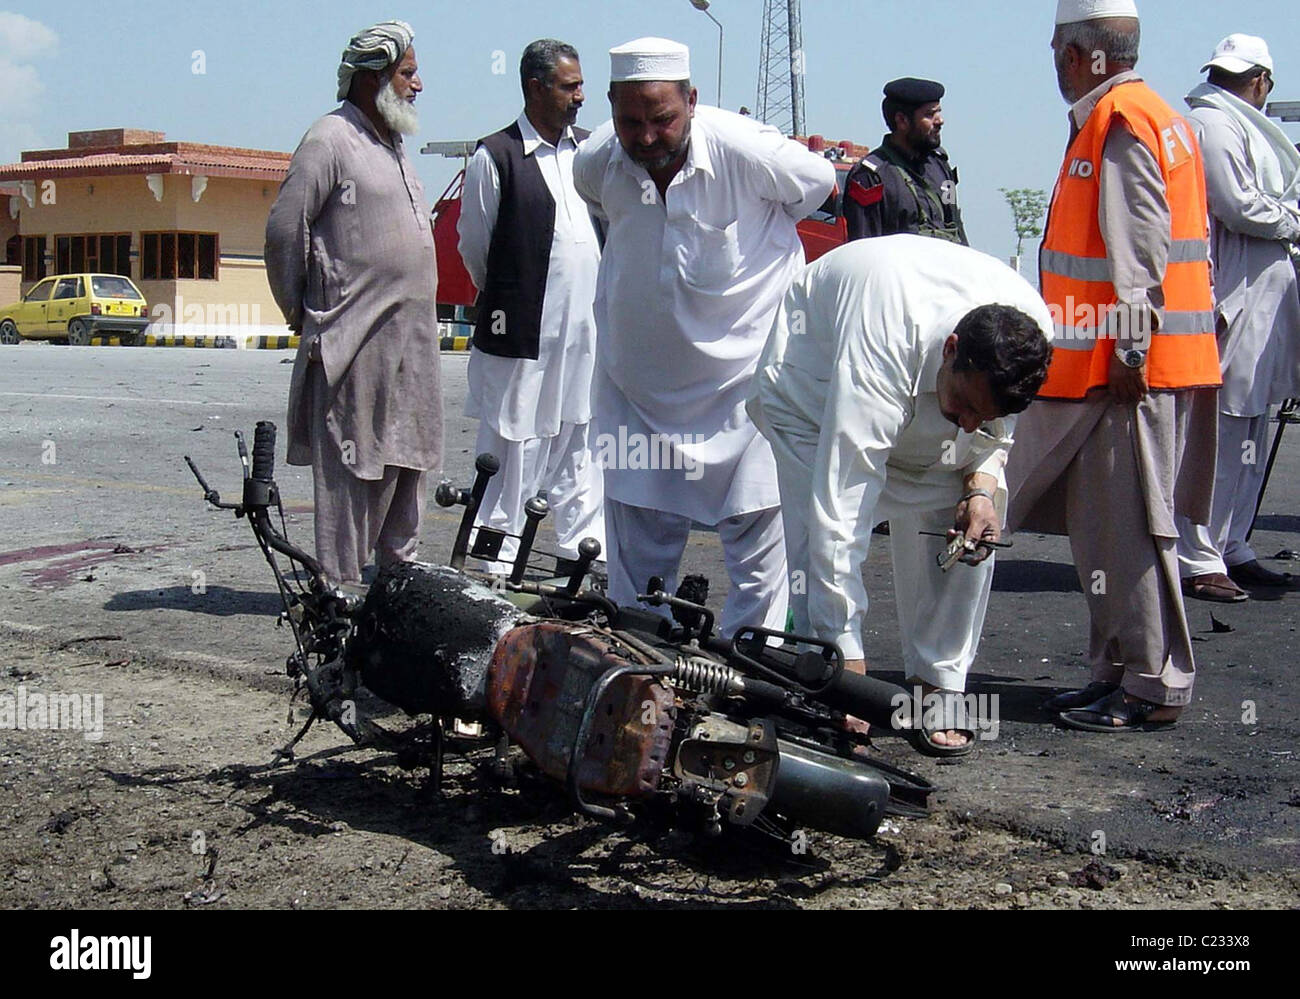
[1123, 435]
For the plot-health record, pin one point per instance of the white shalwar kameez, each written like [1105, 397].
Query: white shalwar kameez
[535, 415]
[688, 287]
[846, 391]
[1252, 181]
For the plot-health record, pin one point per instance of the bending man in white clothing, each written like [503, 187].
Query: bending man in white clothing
[528, 242]
[886, 391]
[701, 207]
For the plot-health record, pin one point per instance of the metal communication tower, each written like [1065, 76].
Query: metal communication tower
[781, 67]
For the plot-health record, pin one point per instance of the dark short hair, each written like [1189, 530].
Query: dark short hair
[1235, 81]
[890, 107]
[1008, 347]
[540, 59]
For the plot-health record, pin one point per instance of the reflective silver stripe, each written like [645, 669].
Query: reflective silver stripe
[1188, 251]
[1176, 324]
[1079, 268]
[1188, 322]
[1074, 338]
[1181, 251]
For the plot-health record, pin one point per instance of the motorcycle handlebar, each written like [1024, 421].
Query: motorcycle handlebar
[864, 697]
[264, 451]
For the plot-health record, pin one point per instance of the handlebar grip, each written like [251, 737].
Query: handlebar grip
[865, 697]
[264, 451]
[448, 495]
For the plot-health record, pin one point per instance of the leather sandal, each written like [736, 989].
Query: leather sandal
[1071, 699]
[951, 709]
[1214, 586]
[1114, 713]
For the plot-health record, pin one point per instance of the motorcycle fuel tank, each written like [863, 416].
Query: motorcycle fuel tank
[425, 637]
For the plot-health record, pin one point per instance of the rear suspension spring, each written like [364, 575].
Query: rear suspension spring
[706, 677]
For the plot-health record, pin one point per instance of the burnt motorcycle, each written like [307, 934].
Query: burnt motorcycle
[629, 710]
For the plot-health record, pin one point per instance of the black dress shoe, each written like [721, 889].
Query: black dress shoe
[1253, 574]
[1072, 699]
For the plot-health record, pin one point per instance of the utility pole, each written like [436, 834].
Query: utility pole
[780, 100]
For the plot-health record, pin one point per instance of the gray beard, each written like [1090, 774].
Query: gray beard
[663, 162]
[399, 115]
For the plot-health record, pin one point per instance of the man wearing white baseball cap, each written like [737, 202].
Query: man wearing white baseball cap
[1252, 180]
[1120, 439]
[700, 207]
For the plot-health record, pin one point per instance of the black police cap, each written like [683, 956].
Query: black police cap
[910, 90]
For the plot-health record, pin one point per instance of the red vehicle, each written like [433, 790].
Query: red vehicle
[455, 288]
[820, 233]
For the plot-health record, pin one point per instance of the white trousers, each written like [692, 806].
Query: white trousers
[563, 467]
[645, 543]
[1238, 478]
[940, 614]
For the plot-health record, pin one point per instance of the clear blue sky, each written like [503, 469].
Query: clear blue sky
[270, 69]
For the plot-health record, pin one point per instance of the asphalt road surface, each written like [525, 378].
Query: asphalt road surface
[103, 533]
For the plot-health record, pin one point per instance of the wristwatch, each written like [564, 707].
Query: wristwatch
[972, 493]
[1131, 358]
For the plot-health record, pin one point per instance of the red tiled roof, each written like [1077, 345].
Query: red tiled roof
[184, 158]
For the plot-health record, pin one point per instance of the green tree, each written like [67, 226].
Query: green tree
[1027, 208]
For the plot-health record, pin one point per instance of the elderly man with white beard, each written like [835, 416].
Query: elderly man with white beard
[350, 260]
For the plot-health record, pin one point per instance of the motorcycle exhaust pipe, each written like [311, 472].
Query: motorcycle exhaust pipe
[829, 793]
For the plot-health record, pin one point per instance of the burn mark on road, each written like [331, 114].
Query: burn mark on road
[68, 560]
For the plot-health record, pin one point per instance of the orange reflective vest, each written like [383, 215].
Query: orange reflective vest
[1076, 276]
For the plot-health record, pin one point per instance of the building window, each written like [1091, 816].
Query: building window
[14, 251]
[33, 258]
[98, 253]
[168, 255]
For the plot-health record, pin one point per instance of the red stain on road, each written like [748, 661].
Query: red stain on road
[50, 551]
[72, 560]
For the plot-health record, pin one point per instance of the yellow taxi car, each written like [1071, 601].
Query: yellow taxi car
[73, 308]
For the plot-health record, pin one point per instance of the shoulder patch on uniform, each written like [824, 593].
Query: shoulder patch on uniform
[864, 195]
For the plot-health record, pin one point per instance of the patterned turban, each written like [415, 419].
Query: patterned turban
[374, 48]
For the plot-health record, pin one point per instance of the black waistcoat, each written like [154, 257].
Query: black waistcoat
[519, 255]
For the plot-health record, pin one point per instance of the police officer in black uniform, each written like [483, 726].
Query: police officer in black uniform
[907, 185]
